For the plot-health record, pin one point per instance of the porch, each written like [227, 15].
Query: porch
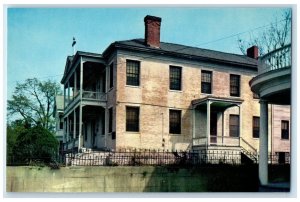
[209, 122]
[84, 127]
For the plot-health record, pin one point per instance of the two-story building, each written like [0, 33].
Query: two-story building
[144, 93]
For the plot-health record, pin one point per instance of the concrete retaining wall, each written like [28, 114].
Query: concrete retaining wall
[130, 179]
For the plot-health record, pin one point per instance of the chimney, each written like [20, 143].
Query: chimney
[152, 31]
[252, 52]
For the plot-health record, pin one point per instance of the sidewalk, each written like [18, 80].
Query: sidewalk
[275, 187]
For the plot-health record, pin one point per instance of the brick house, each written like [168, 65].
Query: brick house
[148, 94]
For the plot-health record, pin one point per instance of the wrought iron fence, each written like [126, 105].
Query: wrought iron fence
[148, 157]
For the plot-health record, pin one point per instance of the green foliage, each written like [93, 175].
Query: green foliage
[35, 143]
[34, 101]
[12, 132]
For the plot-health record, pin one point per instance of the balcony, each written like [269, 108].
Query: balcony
[273, 82]
[88, 98]
[94, 96]
[277, 59]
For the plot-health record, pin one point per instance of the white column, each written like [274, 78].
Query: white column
[74, 127]
[106, 127]
[68, 128]
[263, 144]
[64, 96]
[75, 83]
[81, 77]
[223, 126]
[208, 123]
[68, 92]
[240, 122]
[80, 139]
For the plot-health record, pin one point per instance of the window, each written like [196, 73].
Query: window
[255, 129]
[111, 75]
[206, 82]
[175, 78]
[110, 116]
[132, 119]
[175, 121]
[285, 130]
[133, 72]
[234, 85]
[234, 125]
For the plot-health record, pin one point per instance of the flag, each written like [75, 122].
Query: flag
[74, 42]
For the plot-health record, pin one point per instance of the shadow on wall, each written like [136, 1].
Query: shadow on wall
[206, 178]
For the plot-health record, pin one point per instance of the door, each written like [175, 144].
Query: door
[281, 157]
[213, 128]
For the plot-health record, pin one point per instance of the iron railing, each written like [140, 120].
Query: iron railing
[217, 141]
[148, 157]
[277, 59]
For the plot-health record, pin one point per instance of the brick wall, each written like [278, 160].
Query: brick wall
[155, 99]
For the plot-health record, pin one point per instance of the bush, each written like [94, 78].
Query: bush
[35, 143]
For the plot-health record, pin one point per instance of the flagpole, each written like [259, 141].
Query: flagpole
[73, 45]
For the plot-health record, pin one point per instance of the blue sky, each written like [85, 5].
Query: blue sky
[39, 39]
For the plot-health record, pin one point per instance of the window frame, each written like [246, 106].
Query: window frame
[231, 125]
[136, 81]
[255, 128]
[232, 85]
[136, 121]
[177, 129]
[172, 78]
[285, 130]
[210, 73]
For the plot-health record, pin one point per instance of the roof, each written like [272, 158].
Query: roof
[217, 103]
[71, 60]
[186, 52]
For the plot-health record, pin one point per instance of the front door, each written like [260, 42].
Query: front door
[213, 128]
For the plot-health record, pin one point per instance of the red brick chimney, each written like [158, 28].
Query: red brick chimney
[152, 31]
[252, 52]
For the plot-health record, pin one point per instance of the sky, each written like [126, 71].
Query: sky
[37, 41]
[40, 39]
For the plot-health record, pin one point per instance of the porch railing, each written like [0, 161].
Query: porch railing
[91, 95]
[217, 141]
[277, 59]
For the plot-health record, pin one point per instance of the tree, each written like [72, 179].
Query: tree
[35, 143]
[12, 132]
[34, 101]
[277, 35]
